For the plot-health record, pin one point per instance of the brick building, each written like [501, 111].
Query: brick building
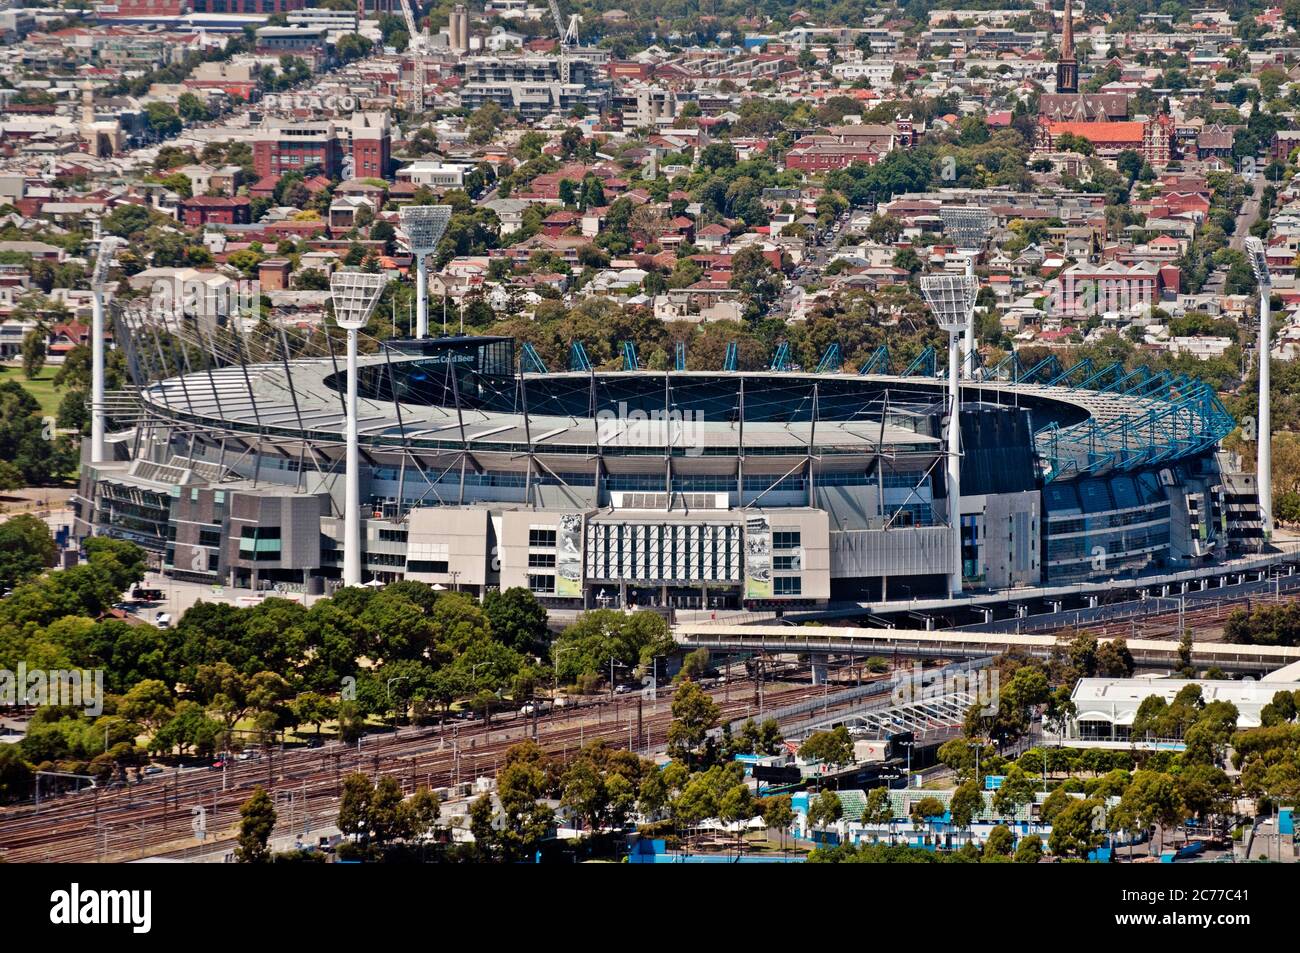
[214, 210]
[286, 145]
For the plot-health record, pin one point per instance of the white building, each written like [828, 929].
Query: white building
[1108, 706]
[435, 175]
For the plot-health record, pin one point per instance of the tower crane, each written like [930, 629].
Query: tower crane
[568, 34]
[417, 48]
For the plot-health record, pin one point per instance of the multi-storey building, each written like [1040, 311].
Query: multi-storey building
[360, 144]
[534, 86]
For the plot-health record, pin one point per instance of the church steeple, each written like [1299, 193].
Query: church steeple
[1067, 67]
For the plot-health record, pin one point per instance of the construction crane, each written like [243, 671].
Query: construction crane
[568, 34]
[417, 47]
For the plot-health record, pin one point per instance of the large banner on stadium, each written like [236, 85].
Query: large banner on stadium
[568, 555]
[758, 558]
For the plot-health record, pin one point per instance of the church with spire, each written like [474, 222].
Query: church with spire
[1101, 118]
[1067, 104]
[1067, 67]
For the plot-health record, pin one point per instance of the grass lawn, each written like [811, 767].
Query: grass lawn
[41, 387]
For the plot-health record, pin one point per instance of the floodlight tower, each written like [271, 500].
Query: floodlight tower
[969, 227]
[424, 226]
[952, 299]
[98, 282]
[1264, 426]
[355, 294]
[968, 344]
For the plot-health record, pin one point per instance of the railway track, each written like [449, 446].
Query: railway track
[1205, 622]
[154, 817]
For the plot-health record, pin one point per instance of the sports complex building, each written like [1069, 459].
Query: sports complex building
[481, 468]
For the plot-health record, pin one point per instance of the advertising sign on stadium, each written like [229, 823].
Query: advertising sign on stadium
[758, 558]
[568, 555]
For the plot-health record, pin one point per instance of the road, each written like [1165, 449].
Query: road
[809, 271]
[1249, 213]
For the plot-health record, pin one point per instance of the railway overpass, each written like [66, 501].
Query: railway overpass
[821, 642]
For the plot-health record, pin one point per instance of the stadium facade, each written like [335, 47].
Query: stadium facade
[685, 488]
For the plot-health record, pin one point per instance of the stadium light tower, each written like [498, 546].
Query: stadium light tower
[952, 299]
[355, 294]
[424, 226]
[968, 226]
[98, 282]
[1264, 426]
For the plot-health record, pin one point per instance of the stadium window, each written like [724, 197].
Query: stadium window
[541, 560]
[209, 537]
[541, 584]
[786, 539]
[435, 566]
[542, 537]
[787, 586]
[259, 543]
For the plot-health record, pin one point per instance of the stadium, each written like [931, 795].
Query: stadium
[479, 467]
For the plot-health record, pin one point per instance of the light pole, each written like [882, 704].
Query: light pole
[556, 652]
[98, 284]
[1264, 426]
[969, 227]
[952, 299]
[355, 294]
[612, 663]
[424, 226]
[395, 678]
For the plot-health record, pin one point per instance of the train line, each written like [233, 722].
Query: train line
[154, 817]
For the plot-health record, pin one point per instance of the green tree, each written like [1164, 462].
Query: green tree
[256, 822]
[521, 784]
[1000, 842]
[192, 109]
[695, 714]
[825, 809]
[34, 351]
[161, 119]
[1152, 801]
[833, 747]
[26, 549]
[516, 617]
[879, 809]
[122, 560]
[778, 814]
[1029, 850]
[1076, 828]
[967, 801]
